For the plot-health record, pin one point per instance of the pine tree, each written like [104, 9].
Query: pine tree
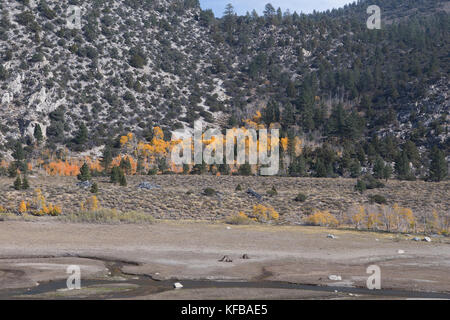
[94, 188]
[85, 173]
[18, 183]
[199, 168]
[224, 169]
[18, 153]
[19, 157]
[269, 11]
[122, 179]
[162, 165]
[402, 166]
[38, 133]
[378, 168]
[298, 167]
[245, 170]
[321, 170]
[438, 165]
[291, 90]
[229, 17]
[387, 172]
[82, 135]
[360, 186]
[287, 116]
[106, 157]
[125, 165]
[355, 169]
[139, 165]
[12, 170]
[115, 175]
[25, 184]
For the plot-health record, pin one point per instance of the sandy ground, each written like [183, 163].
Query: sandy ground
[191, 250]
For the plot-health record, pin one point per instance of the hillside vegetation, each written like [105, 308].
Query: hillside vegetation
[359, 100]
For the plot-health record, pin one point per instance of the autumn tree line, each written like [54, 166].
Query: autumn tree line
[301, 156]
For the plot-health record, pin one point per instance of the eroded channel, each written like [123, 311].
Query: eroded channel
[119, 285]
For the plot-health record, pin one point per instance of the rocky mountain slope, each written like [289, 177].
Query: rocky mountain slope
[136, 64]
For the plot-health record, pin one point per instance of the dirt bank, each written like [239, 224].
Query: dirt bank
[187, 250]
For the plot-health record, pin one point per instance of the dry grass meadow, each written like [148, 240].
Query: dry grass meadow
[180, 196]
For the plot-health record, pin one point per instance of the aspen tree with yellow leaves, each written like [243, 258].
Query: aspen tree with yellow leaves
[22, 207]
[322, 218]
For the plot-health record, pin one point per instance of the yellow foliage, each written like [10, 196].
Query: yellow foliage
[441, 223]
[404, 217]
[298, 146]
[39, 199]
[358, 217]
[242, 214]
[372, 220]
[262, 213]
[91, 204]
[158, 133]
[42, 208]
[53, 210]
[257, 117]
[123, 140]
[22, 207]
[255, 121]
[322, 218]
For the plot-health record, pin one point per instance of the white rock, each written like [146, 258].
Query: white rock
[177, 285]
[228, 228]
[331, 236]
[7, 98]
[400, 251]
[306, 53]
[16, 85]
[335, 277]
[427, 239]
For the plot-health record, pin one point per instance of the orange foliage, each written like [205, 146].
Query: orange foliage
[62, 168]
[4, 164]
[284, 143]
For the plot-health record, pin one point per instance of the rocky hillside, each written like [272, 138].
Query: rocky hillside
[135, 64]
[132, 64]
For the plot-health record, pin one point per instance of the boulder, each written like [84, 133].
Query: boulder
[226, 259]
[177, 285]
[254, 194]
[84, 184]
[148, 186]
